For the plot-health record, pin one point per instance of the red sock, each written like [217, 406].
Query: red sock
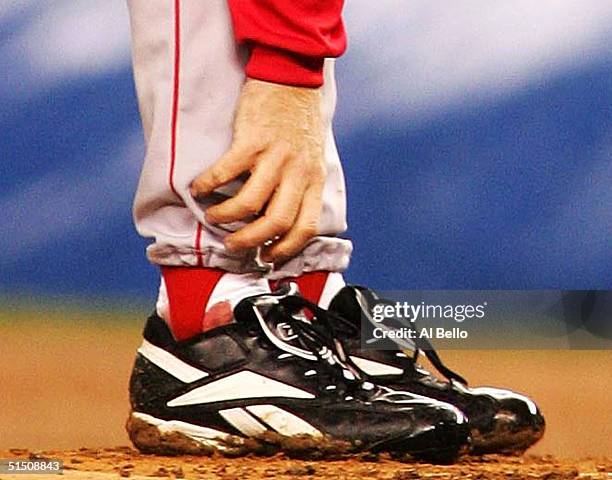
[311, 284]
[189, 289]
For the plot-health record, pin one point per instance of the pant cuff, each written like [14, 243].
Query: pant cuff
[322, 253]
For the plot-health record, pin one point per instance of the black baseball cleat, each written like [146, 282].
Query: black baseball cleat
[273, 381]
[501, 421]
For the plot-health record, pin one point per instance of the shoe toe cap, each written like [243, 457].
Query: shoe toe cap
[515, 424]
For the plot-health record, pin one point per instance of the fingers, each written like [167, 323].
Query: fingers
[235, 161]
[255, 193]
[280, 214]
[304, 229]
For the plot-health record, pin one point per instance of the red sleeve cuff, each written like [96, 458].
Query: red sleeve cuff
[279, 66]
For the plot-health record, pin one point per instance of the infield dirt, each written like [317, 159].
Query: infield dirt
[123, 462]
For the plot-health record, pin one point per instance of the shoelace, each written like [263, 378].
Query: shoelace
[423, 345]
[344, 328]
[318, 337]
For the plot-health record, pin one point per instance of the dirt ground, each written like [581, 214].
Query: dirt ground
[63, 395]
[124, 462]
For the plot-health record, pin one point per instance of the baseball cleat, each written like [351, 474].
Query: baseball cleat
[273, 381]
[501, 421]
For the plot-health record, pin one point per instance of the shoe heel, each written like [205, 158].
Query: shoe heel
[172, 437]
[161, 437]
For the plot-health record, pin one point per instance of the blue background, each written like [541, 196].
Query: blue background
[476, 140]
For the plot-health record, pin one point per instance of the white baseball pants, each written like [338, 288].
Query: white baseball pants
[189, 71]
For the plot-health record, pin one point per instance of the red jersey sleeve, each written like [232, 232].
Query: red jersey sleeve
[289, 39]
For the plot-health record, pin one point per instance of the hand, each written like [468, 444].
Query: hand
[278, 139]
